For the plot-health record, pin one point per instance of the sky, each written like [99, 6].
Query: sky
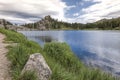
[80, 11]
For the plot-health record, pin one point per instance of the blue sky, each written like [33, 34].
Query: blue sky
[78, 6]
[81, 11]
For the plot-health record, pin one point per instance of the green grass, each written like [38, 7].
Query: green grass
[28, 75]
[19, 53]
[63, 63]
[67, 66]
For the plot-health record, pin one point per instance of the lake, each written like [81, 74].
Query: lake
[95, 48]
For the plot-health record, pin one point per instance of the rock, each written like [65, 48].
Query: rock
[1, 26]
[37, 63]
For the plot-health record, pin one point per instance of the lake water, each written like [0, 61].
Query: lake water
[95, 48]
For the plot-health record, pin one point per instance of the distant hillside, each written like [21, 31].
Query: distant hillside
[4, 23]
[8, 25]
[48, 23]
[108, 23]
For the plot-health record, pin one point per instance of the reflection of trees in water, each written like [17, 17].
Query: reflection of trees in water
[46, 38]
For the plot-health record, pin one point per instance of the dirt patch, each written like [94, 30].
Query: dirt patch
[4, 62]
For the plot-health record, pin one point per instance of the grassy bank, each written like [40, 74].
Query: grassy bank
[19, 52]
[64, 64]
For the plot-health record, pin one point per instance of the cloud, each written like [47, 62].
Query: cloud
[70, 7]
[86, 0]
[32, 10]
[102, 9]
[75, 14]
[25, 10]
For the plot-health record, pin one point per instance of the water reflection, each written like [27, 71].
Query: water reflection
[94, 48]
[46, 38]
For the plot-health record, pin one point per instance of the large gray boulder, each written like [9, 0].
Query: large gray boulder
[37, 63]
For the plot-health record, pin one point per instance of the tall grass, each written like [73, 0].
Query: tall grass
[68, 67]
[63, 63]
[19, 53]
[28, 75]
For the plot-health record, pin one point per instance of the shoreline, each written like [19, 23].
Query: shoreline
[64, 64]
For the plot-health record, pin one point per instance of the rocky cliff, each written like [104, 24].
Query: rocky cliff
[43, 24]
[8, 25]
[48, 23]
[4, 23]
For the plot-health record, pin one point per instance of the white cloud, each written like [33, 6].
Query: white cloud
[12, 19]
[75, 14]
[25, 10]
[86, 0]
[18, 9]
[70, 7]
[102, 9]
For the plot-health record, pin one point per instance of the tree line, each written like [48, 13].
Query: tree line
[50, 23]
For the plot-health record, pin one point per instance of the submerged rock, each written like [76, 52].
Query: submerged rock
[37, 63]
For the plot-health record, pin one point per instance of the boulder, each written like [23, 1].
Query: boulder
[1, 26]
[37, 63]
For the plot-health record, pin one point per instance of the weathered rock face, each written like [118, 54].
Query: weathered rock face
[37, 63]
[1, 26]
[43, 24]
[6, 24]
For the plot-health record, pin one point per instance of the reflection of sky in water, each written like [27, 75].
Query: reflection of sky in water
[96, 48]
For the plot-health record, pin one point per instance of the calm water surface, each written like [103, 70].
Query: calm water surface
[94, 48]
